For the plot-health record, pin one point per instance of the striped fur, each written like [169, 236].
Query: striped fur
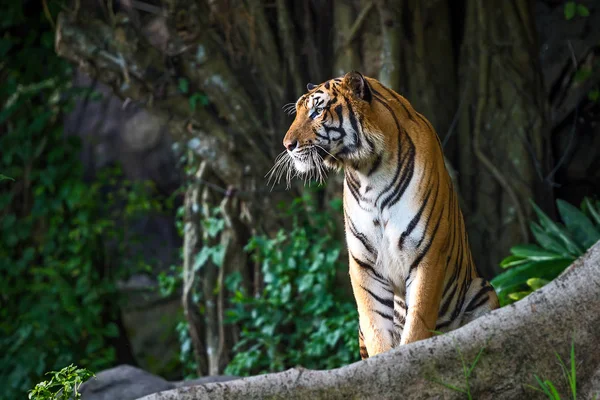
[410, 264]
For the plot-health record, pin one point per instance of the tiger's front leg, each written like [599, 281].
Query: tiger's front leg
[375, 303]
[424, 287]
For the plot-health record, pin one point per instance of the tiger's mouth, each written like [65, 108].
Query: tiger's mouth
[306, 163]
[307, 159]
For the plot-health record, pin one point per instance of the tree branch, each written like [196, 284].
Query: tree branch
[517, 341]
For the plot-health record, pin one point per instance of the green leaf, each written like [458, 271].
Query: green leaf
[512, 261]
[578, 224]
[533, 252]
[589, 207]
[561, 233]
[570, 10]
[583, 10]
[594, 95]
[198, 98]
[184, 85]
[516, 296]
[536, 283]
[519, 275]
[582, 75]
[547, 240]
[5, 178]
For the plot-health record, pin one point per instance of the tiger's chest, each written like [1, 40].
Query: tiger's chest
[375, 234]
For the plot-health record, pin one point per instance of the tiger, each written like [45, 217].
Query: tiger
[410, 264]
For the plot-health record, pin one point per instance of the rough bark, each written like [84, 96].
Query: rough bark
[502, 137]
[517, 341]
[191, 246]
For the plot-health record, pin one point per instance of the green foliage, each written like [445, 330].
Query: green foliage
[301, 317]
[531, 266]
[573, 9]
[64, 384]
[60, 237]
[569, 373]
[5, 178]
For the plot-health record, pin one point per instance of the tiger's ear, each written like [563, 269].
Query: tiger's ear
[358, 85]
[310, 86]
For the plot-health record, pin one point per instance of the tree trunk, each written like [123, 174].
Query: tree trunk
[515, 342]
[502, 137]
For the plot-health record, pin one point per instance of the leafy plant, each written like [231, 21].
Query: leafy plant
[573, 9]
[531, 266]
[64, 384]
[301, 316]
[61, 239]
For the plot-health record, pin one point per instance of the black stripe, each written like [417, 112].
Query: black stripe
[413, 222]
[370, 268]
[401, 318]
[437, 189]
[399, 164]
[399, 100]
[387, 303]
[354, 124]
[360, 236]
[375, 164]
[481, 295]
[405, 179]
[353, 189]
[384, 315]
[426, 249]
[446, 304]
[443, 325]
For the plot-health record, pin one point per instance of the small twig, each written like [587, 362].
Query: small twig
[550, 177]
[47, 14]
[362, 16]
[149, 8]
[455, 119]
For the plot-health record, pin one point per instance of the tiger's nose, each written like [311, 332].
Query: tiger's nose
[290, 144]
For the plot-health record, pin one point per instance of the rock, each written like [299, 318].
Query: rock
[117, 132]
[129, 383]
[123, 383]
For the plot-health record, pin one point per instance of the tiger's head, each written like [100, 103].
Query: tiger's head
[333, 126]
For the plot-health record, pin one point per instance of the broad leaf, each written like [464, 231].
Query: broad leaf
[533, 253]
[512, 261]
[594, 212]
[536, 283]
[570, 9]
[553, 228]
[578, 224]
[516, 296]
[547, 240]
[549, 269]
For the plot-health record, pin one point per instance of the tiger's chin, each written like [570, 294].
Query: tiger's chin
[303, 167]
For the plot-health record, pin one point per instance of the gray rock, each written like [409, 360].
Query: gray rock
[129, 383]
[123, 383]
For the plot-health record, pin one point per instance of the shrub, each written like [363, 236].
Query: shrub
[63, 385]
[301, 317]
[57, 287]
[531, 266]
